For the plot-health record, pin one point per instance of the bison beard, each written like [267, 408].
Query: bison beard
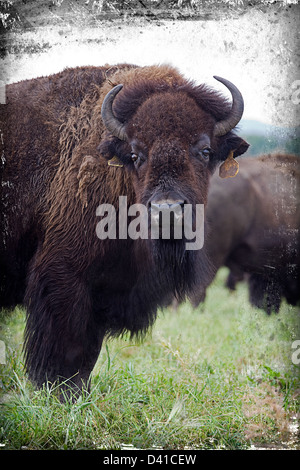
[167, 136]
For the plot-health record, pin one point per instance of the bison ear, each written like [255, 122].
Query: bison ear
[240, 146]
[230, 167]
[235, 143]
[114, 151]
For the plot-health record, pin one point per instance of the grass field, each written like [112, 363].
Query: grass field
[219, 377]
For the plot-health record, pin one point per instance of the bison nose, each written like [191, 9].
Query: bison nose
[167, 212]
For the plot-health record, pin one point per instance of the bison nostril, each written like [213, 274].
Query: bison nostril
[154, 207]
[168, 212]
[166, 203]
[167, 206]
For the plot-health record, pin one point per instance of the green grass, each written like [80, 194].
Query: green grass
[219, 377]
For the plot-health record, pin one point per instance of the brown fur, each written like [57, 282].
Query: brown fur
[78, 288]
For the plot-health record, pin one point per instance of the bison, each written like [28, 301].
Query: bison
[253, 229]
[79, 139]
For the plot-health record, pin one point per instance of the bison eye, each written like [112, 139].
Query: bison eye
[134, 157]
[205, 153]
[201, 149]
[138, 159]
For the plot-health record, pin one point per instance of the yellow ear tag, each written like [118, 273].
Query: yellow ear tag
[229, 168]
[115, 161]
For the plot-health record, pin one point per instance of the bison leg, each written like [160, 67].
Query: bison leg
[62, 338]
[265, 293]
[235, 275]
[196, 298]
[257, 290]
[273, 296]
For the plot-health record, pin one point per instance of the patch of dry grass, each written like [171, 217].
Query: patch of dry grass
[264, 410]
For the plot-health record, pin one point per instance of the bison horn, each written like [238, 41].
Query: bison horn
[222, 127]
[116, 127]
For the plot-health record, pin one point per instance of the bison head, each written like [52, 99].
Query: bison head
[171, 136]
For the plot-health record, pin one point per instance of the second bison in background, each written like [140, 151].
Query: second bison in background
[253, 228]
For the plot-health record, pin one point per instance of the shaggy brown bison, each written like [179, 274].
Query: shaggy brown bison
[73, 142]
[254, 223]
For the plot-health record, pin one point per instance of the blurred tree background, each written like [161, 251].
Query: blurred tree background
[262, 144]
